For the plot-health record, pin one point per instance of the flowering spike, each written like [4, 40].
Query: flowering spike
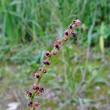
[36, 89]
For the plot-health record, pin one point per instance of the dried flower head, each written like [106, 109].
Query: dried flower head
[72, 26]
[72, 32]
[37, 88]
[40, 69]
[66, 39]
[47, 54]
[30, 94]
[67, 32]
[46, 62]
[37, 75]
[58, 41]
[54, 53]
[45, 70]
[27, 92]
[34, 86]
[36, 104]
[30, 104]
[57, 46]
[76, 22]
[41, 89]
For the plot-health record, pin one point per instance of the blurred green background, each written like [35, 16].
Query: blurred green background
[79, 76]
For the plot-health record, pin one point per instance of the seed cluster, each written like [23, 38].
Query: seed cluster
[36, 88]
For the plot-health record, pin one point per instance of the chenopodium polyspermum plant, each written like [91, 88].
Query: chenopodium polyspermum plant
[37, 90]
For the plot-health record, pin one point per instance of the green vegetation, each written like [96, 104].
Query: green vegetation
[29, 27]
